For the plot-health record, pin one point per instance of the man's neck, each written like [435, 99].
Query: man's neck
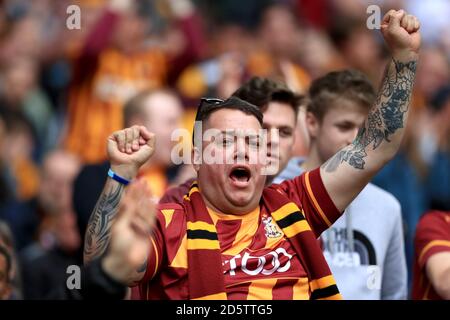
[269, 179]
[313, 160]
[230, 211]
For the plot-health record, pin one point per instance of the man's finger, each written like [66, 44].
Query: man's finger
[388, 15]
[396, 18]
[411, 24]
[135, 144]
[416, 24]
[120, 139]
[407, 23]
[147, 135]
[146, 210]
[128, 140]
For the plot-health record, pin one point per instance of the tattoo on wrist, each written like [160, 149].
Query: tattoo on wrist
[384, 119]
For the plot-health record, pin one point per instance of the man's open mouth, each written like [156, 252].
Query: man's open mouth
[240, 174]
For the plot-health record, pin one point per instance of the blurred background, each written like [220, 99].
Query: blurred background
[63, 91]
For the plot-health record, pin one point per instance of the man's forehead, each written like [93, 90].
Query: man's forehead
[279, 114]
[231, 119]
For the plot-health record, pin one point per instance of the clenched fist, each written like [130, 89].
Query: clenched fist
[129, 149]
[401, 33]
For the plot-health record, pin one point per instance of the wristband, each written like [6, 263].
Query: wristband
[117, 178]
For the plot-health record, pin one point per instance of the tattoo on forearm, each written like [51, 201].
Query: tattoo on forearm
[99, 227]
[383, 121]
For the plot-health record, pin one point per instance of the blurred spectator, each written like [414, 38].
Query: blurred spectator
[433, 72]
[432, 257]
[403, 177]
[53, 199]
[19, 175]
[118, 60]
[359, 47]
[145, 109]
[44, 262]
[318, 53]
[113, 65]
[368, 236]
[10, 283]
[272, 53]
[21, 93]
[222, 74]
[46, 271]
[280, 36]
[160, 111]
[436, 149]
[5, 270]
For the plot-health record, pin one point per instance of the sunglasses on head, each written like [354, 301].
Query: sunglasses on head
[210, 101]
[207, 102]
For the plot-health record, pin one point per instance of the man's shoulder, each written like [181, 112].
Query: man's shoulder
[170, 214]
[170, 206]
[435, 218]
[176, 194]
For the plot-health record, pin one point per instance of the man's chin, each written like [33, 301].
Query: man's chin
[240, 199]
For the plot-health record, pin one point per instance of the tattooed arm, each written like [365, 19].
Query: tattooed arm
[128, 150]
[98, 232]
[349, 170]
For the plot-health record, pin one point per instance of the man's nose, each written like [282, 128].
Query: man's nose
[273, 140]
[241, 150]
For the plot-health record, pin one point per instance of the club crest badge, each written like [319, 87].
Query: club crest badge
[270, 228]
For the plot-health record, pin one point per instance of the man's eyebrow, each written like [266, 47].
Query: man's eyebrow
[251, 135]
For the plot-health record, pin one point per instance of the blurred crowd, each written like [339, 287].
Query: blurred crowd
[64, 91]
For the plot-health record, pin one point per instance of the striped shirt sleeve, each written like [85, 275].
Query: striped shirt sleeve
[309, 193]
[432, 236]
[155, 256]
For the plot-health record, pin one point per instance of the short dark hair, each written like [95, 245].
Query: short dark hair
[260, 91]
[5, 252]
[210, 105]
[351, 85]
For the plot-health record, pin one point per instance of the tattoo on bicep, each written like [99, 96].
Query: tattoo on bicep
[99, 226]
[384, 119]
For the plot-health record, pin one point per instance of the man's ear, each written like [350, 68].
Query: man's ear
[312, 125]
[196, 158]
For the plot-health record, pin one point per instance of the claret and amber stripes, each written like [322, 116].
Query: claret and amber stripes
[291, 220]
[324, 288]
[202, 235]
